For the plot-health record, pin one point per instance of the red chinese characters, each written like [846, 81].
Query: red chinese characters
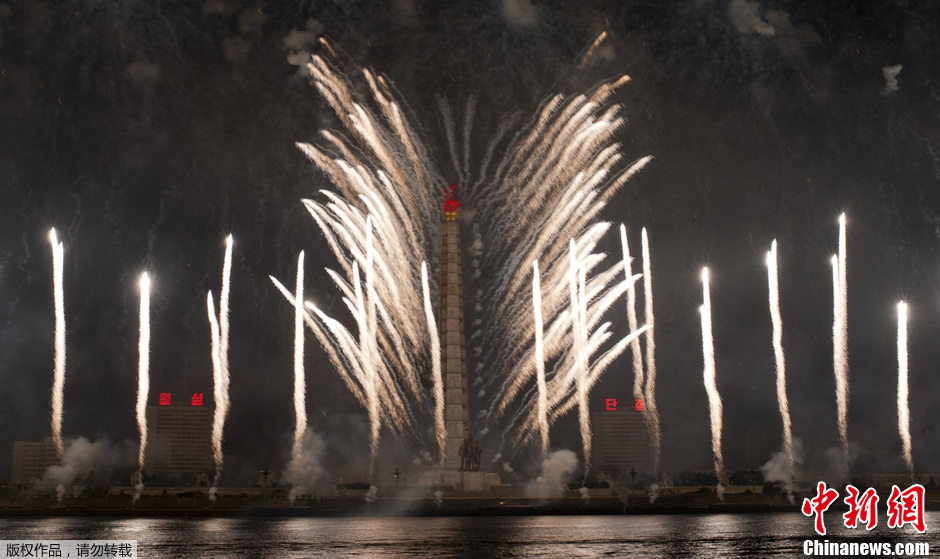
[819, 504]
[907, 507]
[164, 398]
[904, 507]
[197, 399]
[639, 405]
[611, 404]
[864, 508]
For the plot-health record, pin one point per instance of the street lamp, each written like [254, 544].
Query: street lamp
[264, 486]
[396, 473]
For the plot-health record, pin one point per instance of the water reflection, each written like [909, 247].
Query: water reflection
[688, 536]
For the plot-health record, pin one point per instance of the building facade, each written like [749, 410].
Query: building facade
[179, 438]
[621, 442]
[30, 460]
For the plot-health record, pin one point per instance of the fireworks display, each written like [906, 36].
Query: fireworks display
[143, 375]
[219, 328]
[714, 398]
[774, 300]
[904, 411]
[384, 220]
[649, 393]
[436, 376]
[300, 383]
[541, 403]
[840, 343]
[58, 382]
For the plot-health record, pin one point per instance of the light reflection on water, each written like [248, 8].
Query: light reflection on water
[689, 536]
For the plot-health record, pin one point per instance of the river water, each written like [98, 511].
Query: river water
[687, 535]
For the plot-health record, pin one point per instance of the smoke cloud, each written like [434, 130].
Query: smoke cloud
[556, 469]
[891, 78]
[217, 7]
[299, 44]
[81, 458]
[778, 469]
[519, 13]
[304, 471]
[746, 17]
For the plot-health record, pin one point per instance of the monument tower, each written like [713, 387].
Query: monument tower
[461, 469]
[451, 327]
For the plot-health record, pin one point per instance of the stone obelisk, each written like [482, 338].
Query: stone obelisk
[451, 328]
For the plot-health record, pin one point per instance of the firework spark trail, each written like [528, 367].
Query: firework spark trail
[220, 365]
[557, 174]
[840, 343]
[368, 352]
[327, 343]
[143, 376]
[436, 375]
[58, 383]
[572, 378]
[597, 42]
[584, 417]
[542, 401]
[344, 352]
[300, 385]
[714, 399]
[904, 411]
[557, 298]
[631, 315]
[600, 295]
[652, 412]
[774, 291]
[218, 392]
[224, 321]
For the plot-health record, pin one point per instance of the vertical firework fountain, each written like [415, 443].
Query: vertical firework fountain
[649, 392]
[904, 411]
[143, 378]
[58, 383]
[840, 351]
[774, 291]
[714, 399]
[542, 395]
[219, 330]
[300, 381]
[436, 375]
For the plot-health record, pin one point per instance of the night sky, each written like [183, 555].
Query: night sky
[146, 132]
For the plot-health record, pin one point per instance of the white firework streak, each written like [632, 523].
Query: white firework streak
[300, 384]
[58, 382]
[587, 55]
[218, 392]
[904, 411]
[436, 377]
[579, 339]
[774, 291]
[224, 340]
[220, 366]
[714, 399]
[342, 366]
[557, 174]
[840, 352]
[631, 315]
[652, 412]
[542, 400]
[571, 381]
[143, 370]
